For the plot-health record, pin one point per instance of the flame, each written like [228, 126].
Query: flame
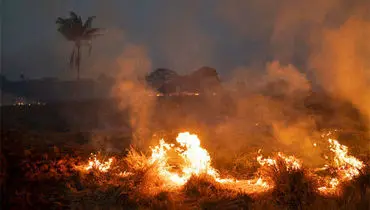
[291, 162]
[95, 163]
[252, 186]
[331, 186]
[196, 161]
[125, 174]
[347, 167]
[159, 157]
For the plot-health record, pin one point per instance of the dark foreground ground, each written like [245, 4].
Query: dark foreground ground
[41, 144]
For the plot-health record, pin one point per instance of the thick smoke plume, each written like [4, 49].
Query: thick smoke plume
[294, 47]
[341, 63]
[270, 113]
[325, 40]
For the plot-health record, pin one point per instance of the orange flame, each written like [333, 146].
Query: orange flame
[95, 163]
[291, 162]
[347, 167]
[196, 161]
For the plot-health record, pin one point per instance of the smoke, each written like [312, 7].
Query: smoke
[331, 37]
[132, 92]
[310, 43]
[270, 113]
[288, 47]
[341, 63]
[104, 55]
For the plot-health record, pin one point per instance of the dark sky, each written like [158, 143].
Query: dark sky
[176, 34]
[181, 35]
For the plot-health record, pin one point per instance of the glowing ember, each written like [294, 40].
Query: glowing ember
[125, 174]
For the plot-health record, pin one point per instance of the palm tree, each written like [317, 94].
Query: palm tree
[73, 29]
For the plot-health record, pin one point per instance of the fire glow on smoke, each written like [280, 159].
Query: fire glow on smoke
[196, 161]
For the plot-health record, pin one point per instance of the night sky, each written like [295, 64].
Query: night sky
[180, 35]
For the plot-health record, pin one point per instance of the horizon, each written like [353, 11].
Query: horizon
[175, 35]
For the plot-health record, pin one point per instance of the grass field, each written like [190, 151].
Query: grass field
[41, 147]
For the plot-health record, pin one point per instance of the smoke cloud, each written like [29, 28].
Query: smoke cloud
[283, 50]
[289, 49]
[132, 92]
[270, 113]
[341, 63]
[320, 43]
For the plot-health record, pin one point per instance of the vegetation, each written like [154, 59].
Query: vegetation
[79, 32]
[42, 175]
[38, 166]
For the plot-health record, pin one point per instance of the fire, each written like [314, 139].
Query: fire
[331, 186]
[125, 174]
[159, 157]
[197, 161]
[194, 160]
[252, 186]
[347, 167]
[95, 163]
[291, 162]
[265, 161]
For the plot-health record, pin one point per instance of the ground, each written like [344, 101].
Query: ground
[38, 170]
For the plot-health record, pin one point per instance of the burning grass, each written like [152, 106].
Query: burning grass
[181, 176]
[293, 186]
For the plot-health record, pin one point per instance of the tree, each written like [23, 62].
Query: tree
[160, 76]
[79, 32]
[206, 79]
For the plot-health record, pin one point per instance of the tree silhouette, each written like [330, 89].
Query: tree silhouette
[79, 32]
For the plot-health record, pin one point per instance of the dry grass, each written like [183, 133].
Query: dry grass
[294, 188]
[50, 182]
